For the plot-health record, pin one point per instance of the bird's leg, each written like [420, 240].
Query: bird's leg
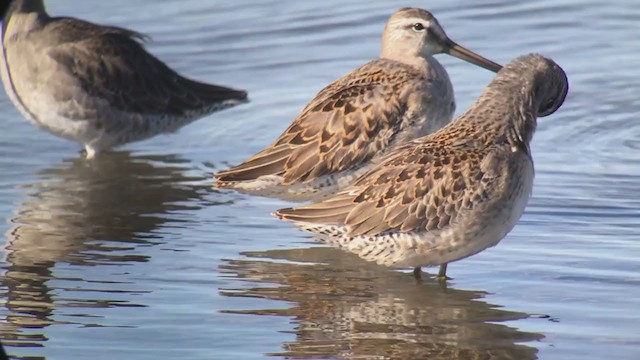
[90, 152]
[417, 273]
[442, 273]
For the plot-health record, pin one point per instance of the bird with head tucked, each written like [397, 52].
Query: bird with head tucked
[450, 194]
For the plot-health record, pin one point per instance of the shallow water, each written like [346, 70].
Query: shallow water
[135, 256]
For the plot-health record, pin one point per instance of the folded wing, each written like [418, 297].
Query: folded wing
[421, 187]
[347, 124]
[112, 67]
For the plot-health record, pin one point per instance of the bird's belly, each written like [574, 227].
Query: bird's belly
[36, 102]
[314, 190]
[45, 112]
[11, 86]
[479, 230]
[88, 120]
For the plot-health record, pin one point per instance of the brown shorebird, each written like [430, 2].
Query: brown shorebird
[451, 194]
[95, 84]
[358, 118]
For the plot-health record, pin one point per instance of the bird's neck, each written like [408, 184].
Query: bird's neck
[27, 6]
[506, 112]
[396, 52]
[22, 16]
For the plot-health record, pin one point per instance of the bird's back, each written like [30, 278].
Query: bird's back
[348, 125]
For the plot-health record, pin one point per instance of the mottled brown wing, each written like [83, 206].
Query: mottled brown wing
[421, 187]
[112, 67]
[347, 123]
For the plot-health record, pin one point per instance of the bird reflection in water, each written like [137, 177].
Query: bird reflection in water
[350, 310]
[87, 214]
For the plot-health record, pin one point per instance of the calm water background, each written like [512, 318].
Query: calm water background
[134, 256]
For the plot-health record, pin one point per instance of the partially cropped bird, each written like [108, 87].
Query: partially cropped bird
[356, 120]
[451, 194]
[96, 84]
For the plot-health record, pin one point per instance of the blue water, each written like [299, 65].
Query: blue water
[135, 256]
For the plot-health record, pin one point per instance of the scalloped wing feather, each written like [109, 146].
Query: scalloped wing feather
[416, 189]
[349, 122]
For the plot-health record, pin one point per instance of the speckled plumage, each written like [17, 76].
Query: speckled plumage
[95, 84]
[451, 194]
[354, 121]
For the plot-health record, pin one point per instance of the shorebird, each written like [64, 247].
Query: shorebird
[357, 119]
[96, 84]
[450, 194]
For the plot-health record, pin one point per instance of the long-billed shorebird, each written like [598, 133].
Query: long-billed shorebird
[450, 194]
[95, 84]
[358, 118]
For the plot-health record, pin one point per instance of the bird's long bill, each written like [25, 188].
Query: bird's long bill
[467, 55]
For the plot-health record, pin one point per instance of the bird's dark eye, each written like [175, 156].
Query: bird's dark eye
[550, 104]
[418, 27]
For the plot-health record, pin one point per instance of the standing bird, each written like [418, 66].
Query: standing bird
[358, 118]
[95, 84]
[451, 194]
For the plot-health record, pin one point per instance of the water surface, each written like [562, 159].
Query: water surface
[135, 256]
